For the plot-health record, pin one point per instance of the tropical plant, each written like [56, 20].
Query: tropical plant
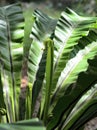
[11, 57]
[61, 70]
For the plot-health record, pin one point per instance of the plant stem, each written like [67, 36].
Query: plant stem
[49, 71]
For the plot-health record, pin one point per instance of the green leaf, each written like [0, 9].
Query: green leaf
[84, 83]
[87, 101]
[68, 91]
[11, 50]
[41, 30]
[27, 30]
[70, 28]
[75, 66]
[33, 124]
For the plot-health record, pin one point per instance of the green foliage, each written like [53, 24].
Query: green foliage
[61, 67]
[11, 52]
[32, 124]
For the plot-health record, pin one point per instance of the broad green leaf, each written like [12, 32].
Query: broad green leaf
[70, 28]
[84, 83]
[41, 30]
[11, 50]
[90, 113]
[67, 92]
[87, 101]
[32, 124]
[27, 30]
[75, 66]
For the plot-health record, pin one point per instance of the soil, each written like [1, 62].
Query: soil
[91, 125]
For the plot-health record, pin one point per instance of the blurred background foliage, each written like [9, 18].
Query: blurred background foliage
[81, 6]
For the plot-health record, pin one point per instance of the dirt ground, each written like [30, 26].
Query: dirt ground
[91, 125]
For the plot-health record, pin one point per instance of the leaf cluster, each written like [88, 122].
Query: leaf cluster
[61, 69]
